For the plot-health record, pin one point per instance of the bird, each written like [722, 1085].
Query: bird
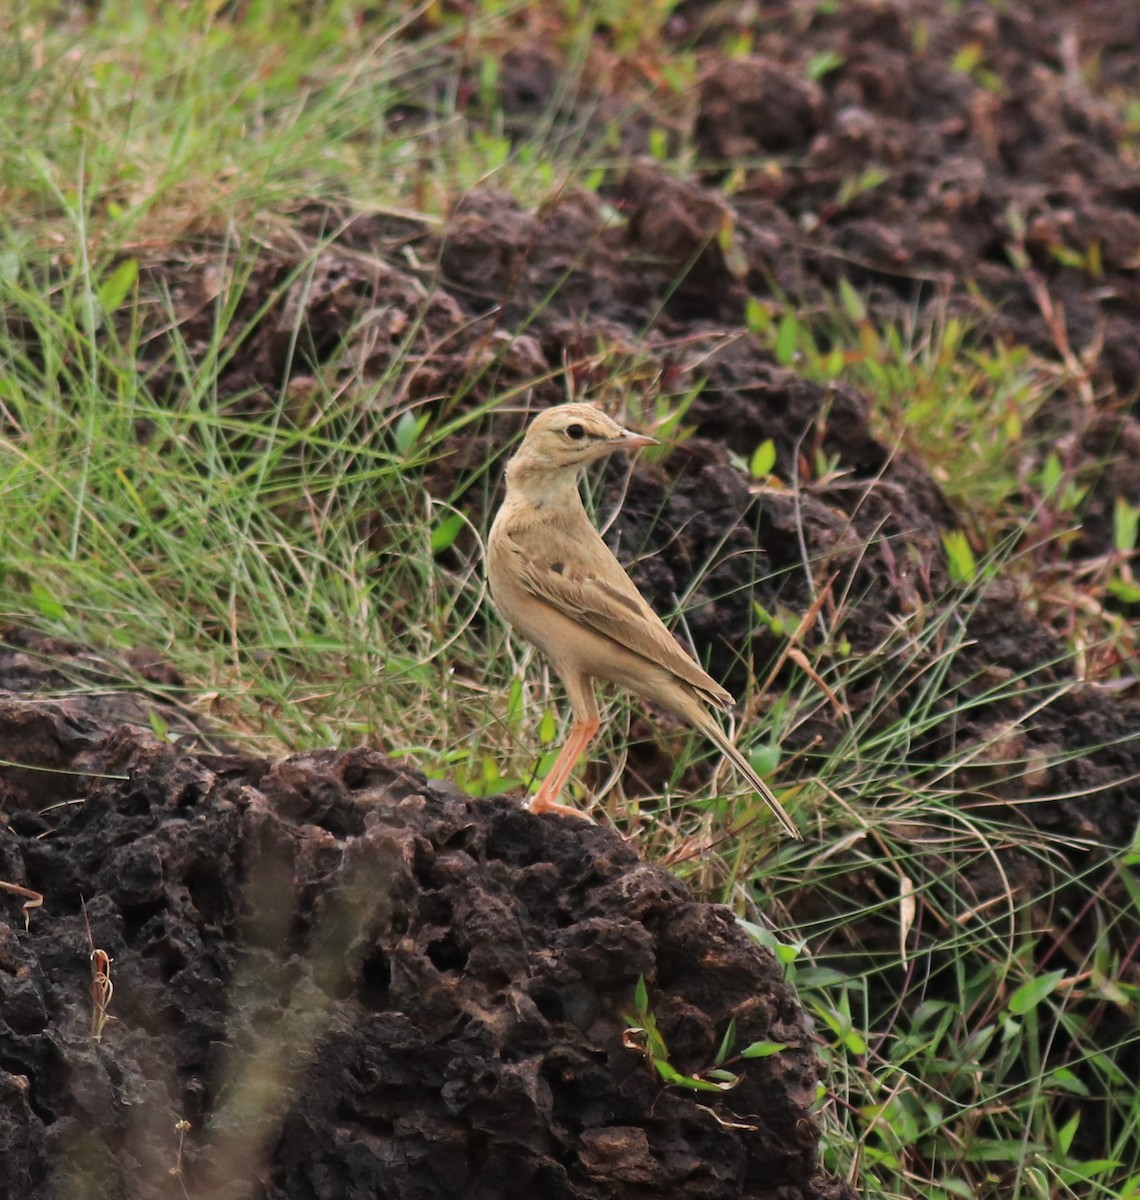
[555, 581]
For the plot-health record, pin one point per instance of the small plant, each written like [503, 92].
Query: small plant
[823, 63]
[855, 186]
[644, 1036]
[970, 60]
[963, 409]
[763, 460]
[959, 556]
[1125, 529]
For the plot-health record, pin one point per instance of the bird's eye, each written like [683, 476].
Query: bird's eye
[575, 431]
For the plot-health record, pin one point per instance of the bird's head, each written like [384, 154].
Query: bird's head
[562, 440]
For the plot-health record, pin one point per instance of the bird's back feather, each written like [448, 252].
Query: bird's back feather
[563, 561]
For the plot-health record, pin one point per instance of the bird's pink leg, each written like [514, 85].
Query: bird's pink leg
[581, 735]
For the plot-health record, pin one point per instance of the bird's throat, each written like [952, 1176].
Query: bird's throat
[540, 486]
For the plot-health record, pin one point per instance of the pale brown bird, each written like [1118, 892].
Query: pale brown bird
[555, 581]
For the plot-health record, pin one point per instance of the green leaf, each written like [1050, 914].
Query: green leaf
[1051, 473]
[641, 995]
[763, 459]
[756, 316]
[823, 64]
[545, 764]
[968, 57]
[763, 1049]
[773, 622]
[47, 603]
[960, 1188]
[726, 1042]
[655, 1043]
[407, 430]
[1078, 1172]
[117, 286]
[1094, 259]
[547, 727]
[488, 79]
[1130, 1190]
[764, 758]
[1125, 525]
[1066, 1081]
[693, 1084]
[1067, 1132]
[959, 556]
[851, 301]
[444, 534]
[820, 977]
[834, 362]
[785, 954]
[1031, 993]
[667, 1071]
[994, 1151]
[1124, 590]
[514, 703]
[854, 1043]
[786, 338]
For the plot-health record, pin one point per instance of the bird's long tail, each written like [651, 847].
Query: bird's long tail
[710, 727]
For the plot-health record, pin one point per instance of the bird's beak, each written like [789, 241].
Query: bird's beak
[628, 440]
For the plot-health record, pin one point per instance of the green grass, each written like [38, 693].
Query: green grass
[240, 545]
[982, 1064]
[964, 407]
[284, 550]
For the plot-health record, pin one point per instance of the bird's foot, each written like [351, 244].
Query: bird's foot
[540, 804]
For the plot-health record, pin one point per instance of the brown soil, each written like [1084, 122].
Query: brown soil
[465, 1023]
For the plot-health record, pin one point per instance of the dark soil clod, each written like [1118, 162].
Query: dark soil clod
[350, 983]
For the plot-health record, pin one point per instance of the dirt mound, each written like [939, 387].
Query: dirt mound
[350, 982]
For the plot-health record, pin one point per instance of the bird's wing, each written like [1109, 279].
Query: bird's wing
[582, 579]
